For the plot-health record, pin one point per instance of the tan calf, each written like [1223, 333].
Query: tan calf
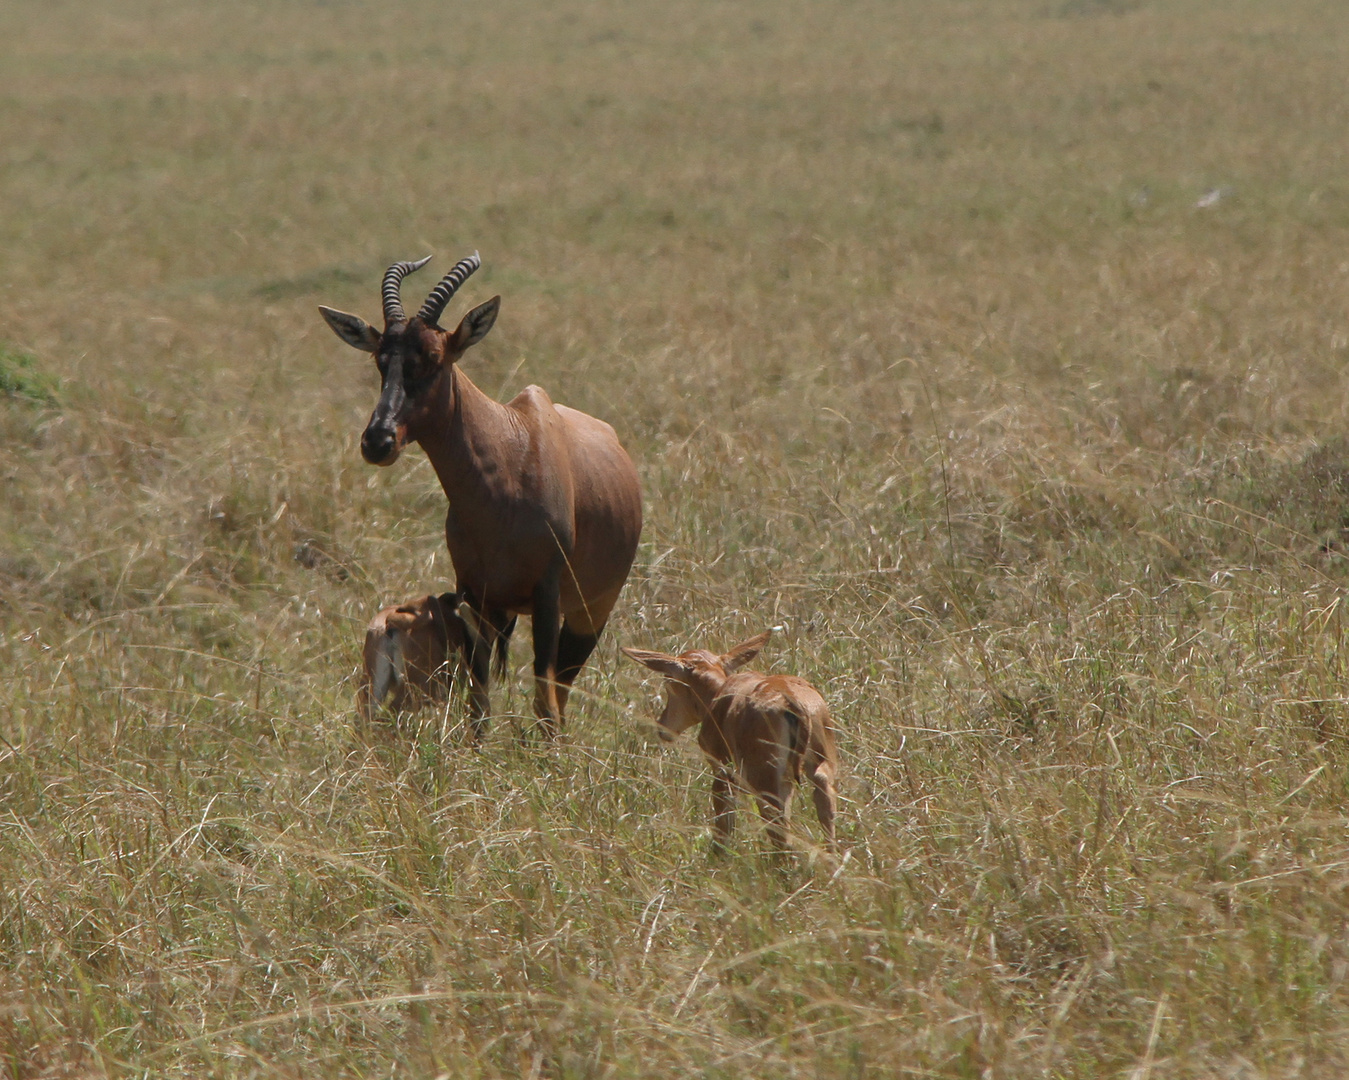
[413, 653]
[761, 732]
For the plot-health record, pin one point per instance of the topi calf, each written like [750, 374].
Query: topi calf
[761, 732]
[415, 652]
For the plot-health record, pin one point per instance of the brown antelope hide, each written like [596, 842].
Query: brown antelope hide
[760, 732]
[545, 510]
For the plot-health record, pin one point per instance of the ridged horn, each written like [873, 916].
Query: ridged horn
[449, 284]
[393, 277]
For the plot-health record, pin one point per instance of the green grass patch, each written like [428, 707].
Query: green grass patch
[21, 377]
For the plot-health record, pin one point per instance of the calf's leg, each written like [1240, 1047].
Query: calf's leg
[723, 808]
[826, 799]
[773, 807]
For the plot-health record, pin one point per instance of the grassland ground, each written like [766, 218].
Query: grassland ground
[994, 352]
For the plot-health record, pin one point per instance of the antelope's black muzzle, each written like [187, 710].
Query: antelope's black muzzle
[379, 446]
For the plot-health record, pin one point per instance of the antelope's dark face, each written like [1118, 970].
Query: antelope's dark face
[414, 356]
[410, 358]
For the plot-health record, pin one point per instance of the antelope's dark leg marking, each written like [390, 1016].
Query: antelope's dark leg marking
[491, 624]
[547, 626]
[573, 650]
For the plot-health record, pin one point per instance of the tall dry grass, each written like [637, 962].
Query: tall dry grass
[928, 355]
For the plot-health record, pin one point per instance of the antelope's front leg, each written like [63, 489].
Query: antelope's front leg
[483, 630]
[547, 620]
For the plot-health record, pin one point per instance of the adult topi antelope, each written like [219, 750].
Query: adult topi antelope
[760, 732]
[545, 509]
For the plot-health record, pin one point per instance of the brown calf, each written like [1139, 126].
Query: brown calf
[761, 732]
[414, 652]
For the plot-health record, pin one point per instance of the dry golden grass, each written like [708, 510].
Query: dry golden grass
[927, 353]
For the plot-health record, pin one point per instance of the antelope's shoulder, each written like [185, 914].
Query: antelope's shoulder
[532, 399]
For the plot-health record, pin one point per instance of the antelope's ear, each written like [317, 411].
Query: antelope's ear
[746, 651]
[474, 326]
[469, 618]
[352, 329]
[670, 666]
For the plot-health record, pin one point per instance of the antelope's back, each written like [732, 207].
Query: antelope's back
[608, 500]
[768, 707]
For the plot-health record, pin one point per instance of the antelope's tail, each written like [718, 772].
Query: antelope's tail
[501, 649]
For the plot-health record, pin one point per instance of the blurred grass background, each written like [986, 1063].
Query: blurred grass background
[994, 351]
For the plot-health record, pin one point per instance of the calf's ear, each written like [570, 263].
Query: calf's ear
[352, 329]
[670, 666]
[469, 617]
[746, 651]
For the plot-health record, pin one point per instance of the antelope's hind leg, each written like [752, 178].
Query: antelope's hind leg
[825, 794]
[573, 650]
[547, 627]
[774, 808]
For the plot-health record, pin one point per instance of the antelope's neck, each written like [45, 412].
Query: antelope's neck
[473, 440]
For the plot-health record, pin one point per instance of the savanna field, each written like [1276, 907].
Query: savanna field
[994, 353]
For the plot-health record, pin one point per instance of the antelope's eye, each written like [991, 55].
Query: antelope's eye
[416, 376]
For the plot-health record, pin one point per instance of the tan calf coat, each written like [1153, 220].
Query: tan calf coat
[764, 733]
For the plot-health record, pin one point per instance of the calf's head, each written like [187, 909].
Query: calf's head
[693, 679]
[413, 356]
[433, 624]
